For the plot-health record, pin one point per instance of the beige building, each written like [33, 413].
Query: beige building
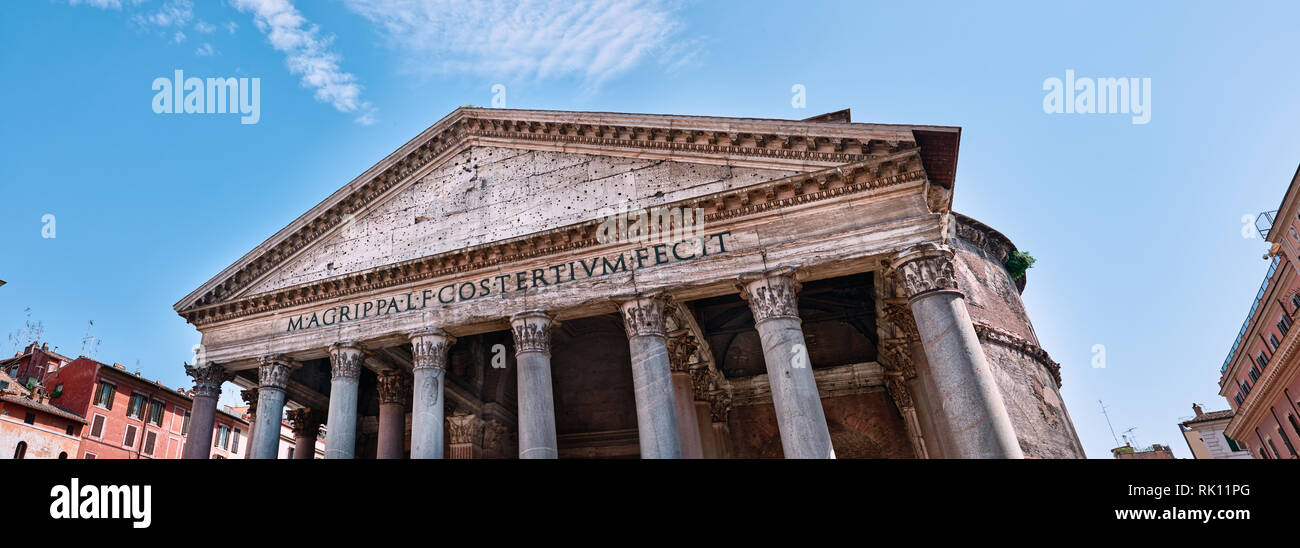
[542, 284]
[1206, 438]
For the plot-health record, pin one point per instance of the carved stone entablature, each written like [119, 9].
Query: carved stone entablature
[306, 422]
[346, 359]
[208, 379]
[429, 348]
[395, 388]
[221, 303]
[643, 315]
[840, 380]
[771, 294]
[990, 334]
[532, 331]
[274, 369]
[982, 236]
[924, 269]
[250, 398]
[465, 429]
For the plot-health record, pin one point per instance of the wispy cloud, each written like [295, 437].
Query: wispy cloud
[204, 27]
[308, 54]
[592, 40]
[103, 4]
[206, 50]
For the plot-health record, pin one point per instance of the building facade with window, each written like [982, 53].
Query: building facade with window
[131, 417]
[543, 284]
[33, 428]
[1206, 438]
[1260, 378]
[31, 364]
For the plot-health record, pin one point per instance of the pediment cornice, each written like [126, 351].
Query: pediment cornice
[878, 173]
[782, 144]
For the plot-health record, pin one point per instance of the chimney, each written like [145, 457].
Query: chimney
[45, 346]
[1197, 408]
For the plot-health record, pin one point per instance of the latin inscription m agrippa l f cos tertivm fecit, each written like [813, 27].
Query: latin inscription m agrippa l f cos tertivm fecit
[556, 274]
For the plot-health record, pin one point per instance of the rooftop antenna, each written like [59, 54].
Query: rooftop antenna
[1130, 436]
[89, 342]
[29, 333]
[1112, 427]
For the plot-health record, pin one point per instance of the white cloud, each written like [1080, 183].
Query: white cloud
[593, 40]
[102, 4]
[308, 54]
[204, 27]
[206, 50]
[178, 37]
[231, 26]
[173, 13]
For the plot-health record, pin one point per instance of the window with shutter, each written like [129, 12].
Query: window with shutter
[150, 438]
[97, 427]
[129, 440]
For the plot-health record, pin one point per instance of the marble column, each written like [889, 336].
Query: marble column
[466, 436]
[656, 406]
[346, 360]
[799, 414]
[429, 353]
[970, 403]
[203, 415]
[306, 427]
[250, 398]
[681, 347]
[273, 378]
[532, 333]
[394, 395]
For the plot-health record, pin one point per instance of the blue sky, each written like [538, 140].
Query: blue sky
[1137, 228]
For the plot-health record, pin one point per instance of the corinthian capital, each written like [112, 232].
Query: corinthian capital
[250, 398]
[532, 331]
[643, 315]
[208, 379]
[306, 422]
[771, 294]
[274, 371]
[681, 346]
[429, 348]
[394, 388]
[346, 358]
[924, 269]
[465, 429]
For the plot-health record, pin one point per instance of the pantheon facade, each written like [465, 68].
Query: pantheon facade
[546, 284]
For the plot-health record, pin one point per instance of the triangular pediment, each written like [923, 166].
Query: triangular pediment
[485, 175]
[488, 194]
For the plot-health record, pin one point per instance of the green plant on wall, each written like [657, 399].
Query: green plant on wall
[1018, 262]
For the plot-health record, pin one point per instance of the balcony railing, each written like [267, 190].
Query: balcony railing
[1264, 223]
[1272, 266]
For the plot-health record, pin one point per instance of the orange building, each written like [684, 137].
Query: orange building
[1261, 376]
[33, 428]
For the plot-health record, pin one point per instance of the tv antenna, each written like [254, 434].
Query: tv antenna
[1129, 436]
[89, 342]
[1112, 427]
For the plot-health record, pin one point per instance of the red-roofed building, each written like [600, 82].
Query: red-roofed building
[131, 417]
[33, 428]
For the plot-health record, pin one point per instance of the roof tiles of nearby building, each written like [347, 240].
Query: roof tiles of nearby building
[17, 394]
[1211, 416]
